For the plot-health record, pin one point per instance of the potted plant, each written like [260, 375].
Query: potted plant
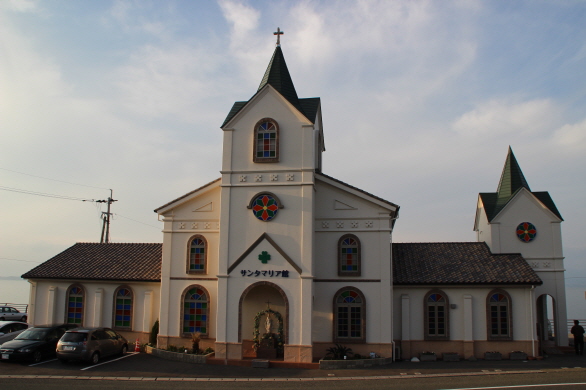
[518, 355]
[427, 356]
[493, 355]
[450, 357]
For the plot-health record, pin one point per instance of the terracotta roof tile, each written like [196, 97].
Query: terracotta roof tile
[449, 263]
[93, 261]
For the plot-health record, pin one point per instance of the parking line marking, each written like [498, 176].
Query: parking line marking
[47, 361]
[110, 361]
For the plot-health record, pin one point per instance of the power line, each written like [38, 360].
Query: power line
[46, 178]
[47, 195]
[28, 261]
[134, 220]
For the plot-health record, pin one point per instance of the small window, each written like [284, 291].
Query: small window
[123, 308]
[349, 315]
[75, 303]
[197, 257]
[499, 321]
[266, 141]
[349, 256]
[195, 311]
[436, 316]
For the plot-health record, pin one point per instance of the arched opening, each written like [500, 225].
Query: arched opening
[546, 321]
[254, 300]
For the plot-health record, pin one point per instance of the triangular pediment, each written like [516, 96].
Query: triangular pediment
[343, 206]
[264, 259]
[206, 207]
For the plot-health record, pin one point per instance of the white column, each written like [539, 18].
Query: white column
[405, 318]
[98, 306]
[147, 319]
[468, 318]
[221, 310]
[32, 298]
[306, 297]
[51, 305]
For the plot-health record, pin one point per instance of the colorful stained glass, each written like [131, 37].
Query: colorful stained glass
[265, 207]
[436, 315]
[195, 311]
[526, 231]
[499, 315]
[349, 255]
[123, 315]
[266, 140]
[197, 255]
[349, 315]
[75, 306]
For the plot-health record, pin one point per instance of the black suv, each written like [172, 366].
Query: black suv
[34, 343]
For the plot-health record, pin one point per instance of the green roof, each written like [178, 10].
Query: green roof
[511, 182]
[277, 75]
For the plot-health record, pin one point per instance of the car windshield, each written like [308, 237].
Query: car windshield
[32, 334]
[74, 337]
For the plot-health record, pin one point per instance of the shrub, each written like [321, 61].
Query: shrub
[154, 333]
[339, 351]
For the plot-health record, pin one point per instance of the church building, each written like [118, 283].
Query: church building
[275, 256]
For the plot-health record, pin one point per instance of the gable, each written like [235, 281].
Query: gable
[264, 258]
[524, 204]
[207, 194]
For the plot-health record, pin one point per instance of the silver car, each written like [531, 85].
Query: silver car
[11, 329]
[9, 313]
[90, 344]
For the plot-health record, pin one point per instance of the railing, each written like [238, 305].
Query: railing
[21, 307]
[571, 323]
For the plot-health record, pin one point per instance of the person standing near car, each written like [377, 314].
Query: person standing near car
[578, 332]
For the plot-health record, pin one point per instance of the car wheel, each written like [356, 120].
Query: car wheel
[37, 356]
[24, 319]
[1, 318]
[124, 349]
[95, 358]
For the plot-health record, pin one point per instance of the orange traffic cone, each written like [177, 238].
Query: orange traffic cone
[137, 346]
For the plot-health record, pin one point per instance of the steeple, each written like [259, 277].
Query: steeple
[511, 179]
[277, 75]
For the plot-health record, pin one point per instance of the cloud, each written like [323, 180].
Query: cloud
[22, 6]
[572, 137]
[496, 118]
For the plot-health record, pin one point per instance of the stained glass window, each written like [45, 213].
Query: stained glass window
[265, 207]
[349, 256]
[197, 255]
[195, 311]
[437, 315]
[349, 313]
[123, 308]
[266, 146]
[499, 315]
[526, 231]
[75, 305]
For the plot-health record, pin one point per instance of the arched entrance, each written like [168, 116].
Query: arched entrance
[254, 300]
[546, 321]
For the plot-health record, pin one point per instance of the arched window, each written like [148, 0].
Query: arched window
[195, 311]
[498, 315]
[349, 256]
[266, 141]
[197, 259]
[437, 315]
[349, 315]
[75, 301]
[123, 306]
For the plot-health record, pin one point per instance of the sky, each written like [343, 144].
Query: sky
[420, 100]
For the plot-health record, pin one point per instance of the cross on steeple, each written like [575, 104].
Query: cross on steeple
[278, 33]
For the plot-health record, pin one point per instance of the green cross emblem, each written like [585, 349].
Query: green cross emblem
[264, 257]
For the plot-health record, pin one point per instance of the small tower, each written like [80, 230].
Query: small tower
[515, 219]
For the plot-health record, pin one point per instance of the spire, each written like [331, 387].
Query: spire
[511, 179]
[277, 75]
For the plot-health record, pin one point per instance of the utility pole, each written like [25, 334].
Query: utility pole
[106, 218]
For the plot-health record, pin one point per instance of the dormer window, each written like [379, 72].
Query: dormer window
[266, 141]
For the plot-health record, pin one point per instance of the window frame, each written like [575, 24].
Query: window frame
[358, 272]
[132, 300]
[336, 305]
[509, 306]
[205, 259]
[208, 310]
[255, 142]
[446, 305]
[83, 295]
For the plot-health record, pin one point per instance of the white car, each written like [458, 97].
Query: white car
[11, 329]
[8, 313]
